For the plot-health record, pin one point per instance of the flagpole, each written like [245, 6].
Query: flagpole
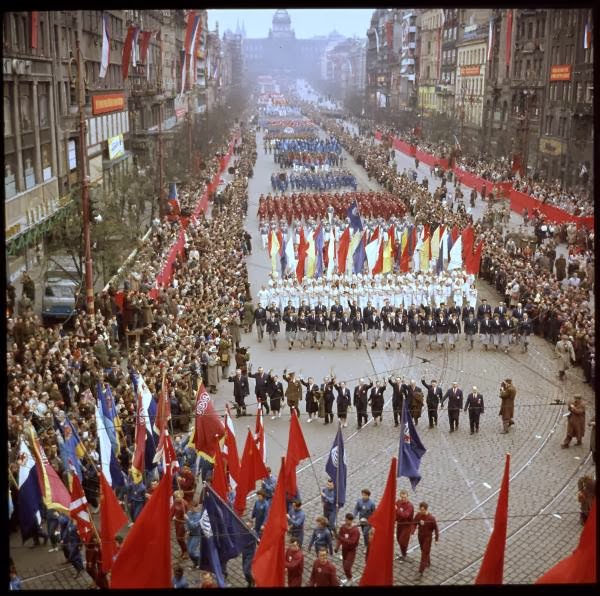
[13, 480]
[337, 473]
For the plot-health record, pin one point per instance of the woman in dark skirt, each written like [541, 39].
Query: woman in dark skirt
[376, 401]
[312, 398]
[275, 393]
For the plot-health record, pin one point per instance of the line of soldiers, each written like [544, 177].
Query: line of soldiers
[442, 325]
[320, 181]
[309, 205]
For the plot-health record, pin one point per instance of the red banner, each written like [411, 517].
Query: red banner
[520, 201]
[405, 147]
[431, 160]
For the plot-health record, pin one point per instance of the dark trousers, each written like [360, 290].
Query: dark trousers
[432, 413]
[397, 416]
[474, 420]
[361, 417]
[453, 419]
[425, 544]
[263, 402]
[348, 557]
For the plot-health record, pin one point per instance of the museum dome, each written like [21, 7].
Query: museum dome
[281, 18]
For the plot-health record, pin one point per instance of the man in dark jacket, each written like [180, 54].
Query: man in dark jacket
[434, 398]
[241, 388]
[474, 404]
[454, 395]
[262, 387]
[360, 401]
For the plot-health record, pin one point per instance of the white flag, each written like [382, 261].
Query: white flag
[105, 47]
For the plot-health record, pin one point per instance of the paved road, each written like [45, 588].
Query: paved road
[460, 473]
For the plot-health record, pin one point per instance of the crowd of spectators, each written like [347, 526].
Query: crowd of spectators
[191, 330]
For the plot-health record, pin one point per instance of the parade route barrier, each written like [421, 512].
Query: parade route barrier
[165, 276]
[520, 201]
[476, 182]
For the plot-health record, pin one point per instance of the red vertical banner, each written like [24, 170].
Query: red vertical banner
[509, 25]
[389, 33]
[35, 21]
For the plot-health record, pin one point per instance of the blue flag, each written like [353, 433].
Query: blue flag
[71, 449]
[224, 535]
[337, 469]
[411, 450]
[172, 190]
[319, 251]
[109, 413]
[359, 257]
[29, 499]
[354, 216]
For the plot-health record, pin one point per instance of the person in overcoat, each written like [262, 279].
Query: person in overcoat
[293, 393]
[508, 393]
[575, 422]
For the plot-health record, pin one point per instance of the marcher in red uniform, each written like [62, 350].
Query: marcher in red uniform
[404, 522]
[426, 524]
[294, 563]
[323, 572]
[178, 511]
[348, 538]
[187, 483]
[93, 565]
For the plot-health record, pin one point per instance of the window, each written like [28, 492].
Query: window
[543, 27]
[25, 105]
[8, 128]
[548, 129]
[566, 91]
[530, 30]
[43, 105]
[562, 125]
[589, 93]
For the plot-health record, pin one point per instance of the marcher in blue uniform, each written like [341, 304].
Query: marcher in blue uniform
[136, 498]
[328, 500]
[363, 510]
[321, 537]
[192, 525]
[260, 511]
[296, 519]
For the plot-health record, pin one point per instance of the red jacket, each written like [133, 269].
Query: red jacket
[404, 513]
[348, 538]
[323, 574]
[294, 563]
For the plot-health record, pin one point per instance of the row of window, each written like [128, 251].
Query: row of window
[474, 56]
[472, 86]
[25, 110]
[561, 91]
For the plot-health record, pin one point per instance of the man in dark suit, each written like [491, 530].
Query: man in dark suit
[474, 405]
[434, 398]
[483, 308]
[454, 395]
[241, 388]
[262, 387]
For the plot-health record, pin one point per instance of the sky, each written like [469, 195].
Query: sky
[305, 22]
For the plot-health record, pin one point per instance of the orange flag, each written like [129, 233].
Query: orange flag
[492, 566]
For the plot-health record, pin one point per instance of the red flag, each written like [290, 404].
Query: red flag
[80, 512]
[230, 450]
[112, 519]
[268, 566]
[342, 255]
[302, 250]
[208, 428]
[404, 260]
[492, 566]
[580, 566]
[379, 569]
[127, 51]
[252, 469]
[378, 268]
[144, 43]
[454, 233]
[54, 492]
[145, 557]
[468, 239]
[392, 239]
[137, 463]
[219, 481]
[35, 18]
[259, 434]
[473, 261]
[297, 450]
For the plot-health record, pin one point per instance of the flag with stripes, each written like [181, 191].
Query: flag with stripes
[105, 46]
